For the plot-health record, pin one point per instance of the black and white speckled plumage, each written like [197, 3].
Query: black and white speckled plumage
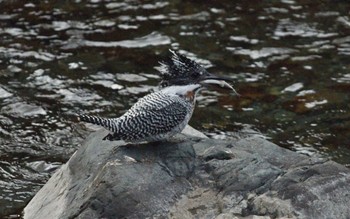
[180, 70]
[163, 113]
[155, 117]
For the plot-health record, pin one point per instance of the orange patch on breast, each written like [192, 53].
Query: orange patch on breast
[190, 95]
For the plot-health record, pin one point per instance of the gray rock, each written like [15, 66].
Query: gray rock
[191, 176]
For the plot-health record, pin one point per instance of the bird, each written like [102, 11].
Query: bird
[165, 112]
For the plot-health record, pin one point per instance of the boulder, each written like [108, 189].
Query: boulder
[191, 176]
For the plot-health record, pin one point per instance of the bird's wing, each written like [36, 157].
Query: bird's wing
[152, 101]
[140, 124]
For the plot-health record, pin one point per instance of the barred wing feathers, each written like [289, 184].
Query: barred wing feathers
[150, 123]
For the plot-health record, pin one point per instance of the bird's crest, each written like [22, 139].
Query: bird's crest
[179, 68]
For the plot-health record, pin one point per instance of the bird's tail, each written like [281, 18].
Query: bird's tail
[109, 124]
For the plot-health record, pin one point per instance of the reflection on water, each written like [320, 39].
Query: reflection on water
[288, 58]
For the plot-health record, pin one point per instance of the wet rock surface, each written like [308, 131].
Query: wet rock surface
[191, 176]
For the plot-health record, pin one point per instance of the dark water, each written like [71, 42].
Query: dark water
[289, 60]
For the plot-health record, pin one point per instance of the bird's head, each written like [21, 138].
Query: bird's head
[180, 71]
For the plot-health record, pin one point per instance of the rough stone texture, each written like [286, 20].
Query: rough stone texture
[193, 177]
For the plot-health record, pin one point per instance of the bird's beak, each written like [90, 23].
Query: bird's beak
[217, 81]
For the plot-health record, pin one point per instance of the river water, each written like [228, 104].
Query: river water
[289, 60]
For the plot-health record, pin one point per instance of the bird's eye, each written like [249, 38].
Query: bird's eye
[164, 84]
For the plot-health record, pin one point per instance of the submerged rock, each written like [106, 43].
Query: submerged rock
[191, 176]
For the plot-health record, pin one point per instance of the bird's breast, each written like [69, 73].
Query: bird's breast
[190, 96]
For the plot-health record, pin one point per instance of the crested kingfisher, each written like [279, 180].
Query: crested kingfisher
[163, 113]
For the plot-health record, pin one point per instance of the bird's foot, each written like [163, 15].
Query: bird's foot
[108, 137]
